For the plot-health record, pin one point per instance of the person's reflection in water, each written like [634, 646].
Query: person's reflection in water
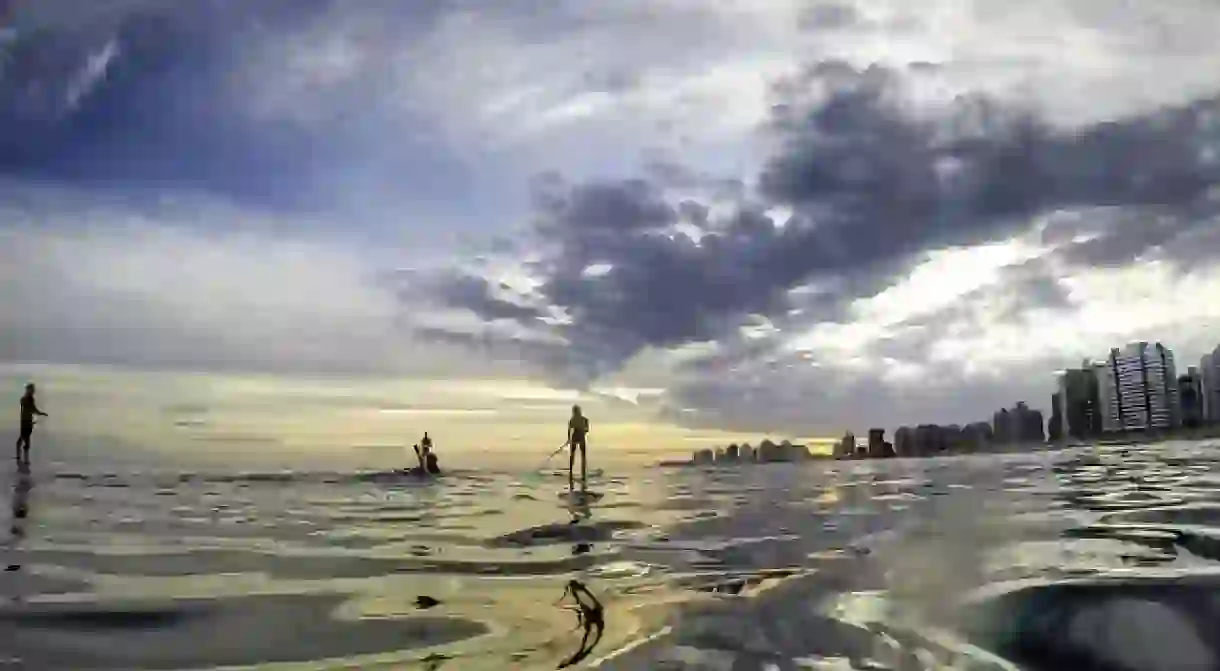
[581, 548]
[580, 512]
[590, 616]
[22, 484]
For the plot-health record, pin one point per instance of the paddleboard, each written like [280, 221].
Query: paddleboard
[563, 473]
[398, 475]
[579, 496]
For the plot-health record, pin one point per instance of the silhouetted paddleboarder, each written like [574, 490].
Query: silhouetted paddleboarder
[578, 429]
[428, 462]
[29, 409]
[431, 464]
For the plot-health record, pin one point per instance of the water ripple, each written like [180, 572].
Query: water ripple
[1100, 558]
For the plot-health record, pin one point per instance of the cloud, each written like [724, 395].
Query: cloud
[321, 104]
[697, 81]
[315, 103]
[862, 162]
[975, 347]
[267, 103]
[848, 197]
[87, 279]
[873, 185]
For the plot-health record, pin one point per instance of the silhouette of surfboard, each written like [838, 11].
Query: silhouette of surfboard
[579, 496]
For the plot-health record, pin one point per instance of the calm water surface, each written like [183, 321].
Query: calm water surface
[1087, 559]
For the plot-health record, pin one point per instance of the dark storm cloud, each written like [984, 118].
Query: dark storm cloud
[563, 364]
[872, 186]
[477, 294]
[1127, 236]
[894, 184]
[154, 95]
[150, 111]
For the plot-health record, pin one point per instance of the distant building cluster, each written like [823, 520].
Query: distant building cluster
[766, 452]
[1135, 389]
[1017, 425]
[917, 441]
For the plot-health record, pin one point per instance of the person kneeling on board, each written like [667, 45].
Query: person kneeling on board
[431, 465]
[428, 462]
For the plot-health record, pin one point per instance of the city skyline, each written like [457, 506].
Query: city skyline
[1137, 388]
[783, 217]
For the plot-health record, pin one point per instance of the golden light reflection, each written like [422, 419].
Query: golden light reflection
[474, 422]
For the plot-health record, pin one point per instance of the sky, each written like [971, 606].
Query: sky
[788, 216]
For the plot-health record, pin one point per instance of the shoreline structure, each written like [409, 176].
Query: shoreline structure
[1133, 396]
[766, 452]
[723, 456]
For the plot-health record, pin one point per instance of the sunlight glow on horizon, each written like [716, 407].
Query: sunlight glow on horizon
[184, 412]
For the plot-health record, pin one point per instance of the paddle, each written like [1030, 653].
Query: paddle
[552, 456]
[537, 472]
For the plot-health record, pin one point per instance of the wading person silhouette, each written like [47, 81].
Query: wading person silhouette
[578, 429]
[29, 409]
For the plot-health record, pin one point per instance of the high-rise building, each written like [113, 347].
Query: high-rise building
[845, 448]
[1190, 397]
[1107, 396]
[1209, 374]
[1033, 426]
[1003, 426]
[1054, 428]
[903, 445]
[1206, 384]
[878, 447]
[1079, 410]
[1145, 391]
[1019, 424]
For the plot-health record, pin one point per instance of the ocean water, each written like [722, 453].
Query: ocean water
[1097, 558]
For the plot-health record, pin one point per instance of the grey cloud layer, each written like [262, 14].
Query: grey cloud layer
[128, 288]
[276, 105]
[872, 184]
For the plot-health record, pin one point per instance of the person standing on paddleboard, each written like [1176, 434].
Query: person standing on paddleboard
[29, 409]
[578, 429]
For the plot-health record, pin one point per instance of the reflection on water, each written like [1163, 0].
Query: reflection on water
[20, 518]
[590, 617]
[1079, 560]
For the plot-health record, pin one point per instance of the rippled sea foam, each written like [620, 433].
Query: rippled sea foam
[1092, 558]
